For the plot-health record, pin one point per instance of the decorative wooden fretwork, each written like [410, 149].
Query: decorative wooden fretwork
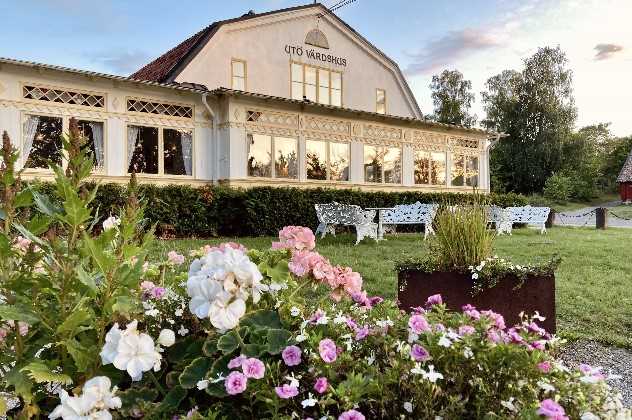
[464, 142]
[159, 108]
[70, 97]
[382, 132]
[429, 137]
[327, 125]
[272, 118]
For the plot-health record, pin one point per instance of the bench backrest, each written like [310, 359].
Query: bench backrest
[342, 214]
[527, 214]
[495, 214]
[410, 213]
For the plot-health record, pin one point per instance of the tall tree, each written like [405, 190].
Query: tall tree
[536, 108]
[453, 98]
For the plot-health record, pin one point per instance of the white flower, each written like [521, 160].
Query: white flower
[444, 341]
[110, 349]
[370, 358]
[220, 378]
[224, 314]
[589, 416]
[295, 311]
[340, 318]
[509, 405]
[417, 370]
[408, 406]
[94, 403]
[309, 402]
[474, 276]
[293, 381]
[111, 222]
[167, 338]
[183, 331]
[431, 375]
[202, 384]
[383, 323]
[546, 387]
[135, 352]
[301, 337]
[179, 312]
[468, 353]
[276, 287]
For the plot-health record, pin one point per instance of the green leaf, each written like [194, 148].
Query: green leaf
[39, 224]
[76, 319]
[80, 354]
[44, 204]
[210, 347]
[28, 234]
[263, 319]
[104, 261]
[132, 396]
[23, 199]
[124, 305]
[173, 398]
[220, 367]
[195, 372]
[255, 350]
[18, 313]
[229, 342]
[3, 406]
[187, 348]
[280, 273]
[86, 279]
[40, 373]
[277, 340]
[21, 383]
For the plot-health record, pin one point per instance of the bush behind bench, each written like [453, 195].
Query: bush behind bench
[225, 211]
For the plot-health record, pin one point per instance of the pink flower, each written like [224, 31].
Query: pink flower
[535, 328]
[552, 410]
[545, 367]
[351, 415]
[147, 286]
[514, 336]
[253, 368]
[298, 238]
[362, 333]
[236, 362]
[175, 258]
[537, 345]
[434, 300]
[222, 247]
[3, 334]
[321, 385]
[361, 298]
[471, 311]
[466, 330]
[158, 292]
[236, 383]
[499, 321]
[286, 391]
[327, 350]
[291, 355]
[418, 324]
[419, 353]
[494, 336]
[23, 327]
[439, 327]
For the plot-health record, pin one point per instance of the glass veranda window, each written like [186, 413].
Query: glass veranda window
[142, 150]
[429, 167]
[153, 150]
[238, 72]
[327, 160]
[264, 150]
[178, 152]
[339, 161]
[382, 164]
[93, 132]
[316, 159]
[471, 171]
[286, 159]
[42, 141]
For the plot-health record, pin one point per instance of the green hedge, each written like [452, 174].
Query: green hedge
[223, 211]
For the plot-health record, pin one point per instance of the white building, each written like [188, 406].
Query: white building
[293, 97]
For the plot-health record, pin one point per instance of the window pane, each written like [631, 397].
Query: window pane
[259, 155]
[297, 90]
[286, 162]
[178, 149]
[336, 80]
[297, 72]
[373, 161]
[393, 165]
[323, 95]
[380, 101]
[458, 175]
[310, 92]
[144, 150]
[45, 140]
[422, 167]
[239, 83]
[94, 134]
[437, 169]
[310, 75]
[239, 69]
[336, 97]
[339, 161]
[472, 171]
[316, 159]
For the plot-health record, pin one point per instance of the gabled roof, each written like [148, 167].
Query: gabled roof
[166, 68]
[626, 171]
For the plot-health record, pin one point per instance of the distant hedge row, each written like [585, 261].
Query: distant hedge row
[223, 211]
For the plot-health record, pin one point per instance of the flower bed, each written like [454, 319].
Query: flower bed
[90, 328]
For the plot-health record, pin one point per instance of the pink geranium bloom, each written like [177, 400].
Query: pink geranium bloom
[418, 324]
[327, 350]
[158, 292]
[499, 321]
[321, 385]
[471, 311]
[147, 286]
[286, 391]
[236, 383]
[351, 415]
[362, 333]
[175, 258]
[291, 355]
[466, 330]
[552, 410]
[434, 300]
[223, 246]
[253, 368]
[419, 353]
[545, 367]
[297, 238]
[236, 361]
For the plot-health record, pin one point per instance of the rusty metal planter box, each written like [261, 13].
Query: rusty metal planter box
[536, 294]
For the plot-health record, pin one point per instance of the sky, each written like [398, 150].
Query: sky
[480, 38]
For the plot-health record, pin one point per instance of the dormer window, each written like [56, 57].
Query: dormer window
[316, 84]
[238, 74]
[380, 101]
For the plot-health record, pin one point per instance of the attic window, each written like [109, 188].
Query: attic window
[317, 38]
[172, 110]
[63, 96]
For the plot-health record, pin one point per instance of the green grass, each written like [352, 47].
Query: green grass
[623, 210]
[594, 281]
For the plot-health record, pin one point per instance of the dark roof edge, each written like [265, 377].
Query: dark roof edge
[231, 92]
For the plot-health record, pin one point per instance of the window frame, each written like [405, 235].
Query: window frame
[318, 70]
[233, 76]
[161, 151]
[377, 103]
[430, 160]
[383, 179]
[464, 157]
[328, 160]
[273, 160]
[105, 141]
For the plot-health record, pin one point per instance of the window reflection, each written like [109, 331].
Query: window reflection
[339, 161]
[316, 159]
[285, 164]
[259, 155]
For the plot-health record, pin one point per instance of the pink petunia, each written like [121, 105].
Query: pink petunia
[291, 355]
[418, 324]
[499, 321]
[321, 385]
[236, 383]
[253, 368]
[552, 410]
[362, 333]
[419, 353]
[351, 415]
[236, 362]
[327, 350]
[434, 300]
[545, 367]
[286, 391]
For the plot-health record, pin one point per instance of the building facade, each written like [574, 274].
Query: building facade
[293, 97]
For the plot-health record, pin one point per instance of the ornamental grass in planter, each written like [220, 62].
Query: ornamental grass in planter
[91, 328]
[461, 268]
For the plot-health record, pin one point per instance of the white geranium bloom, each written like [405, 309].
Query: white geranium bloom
[167, 338]
[136, 353]
[98, 390]
[110, 349]
[431, 375]
[309, 402]
[94, 403]
[202, 384]
[111, 222]
[444, 341]
[70, 408]
[203, 292]
[224, 314]
[408, 406]
[589, 416]
[468, 353]
[295, 311]
[509, 405]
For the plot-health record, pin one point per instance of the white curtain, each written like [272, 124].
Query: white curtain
[132, 139]
[186, 140]
[97, 138]
[30, 130]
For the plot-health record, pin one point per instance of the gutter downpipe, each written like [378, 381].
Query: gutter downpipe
[215, 139]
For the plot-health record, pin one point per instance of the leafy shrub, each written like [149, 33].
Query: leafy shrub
[558, 188]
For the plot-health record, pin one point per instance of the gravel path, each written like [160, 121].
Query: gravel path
[614, 360]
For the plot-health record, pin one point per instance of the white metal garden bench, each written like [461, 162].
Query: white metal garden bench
[410, 214]
[336, 214]
[527, 214]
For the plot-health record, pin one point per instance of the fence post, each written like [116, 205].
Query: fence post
[601, 218]
[550, 220]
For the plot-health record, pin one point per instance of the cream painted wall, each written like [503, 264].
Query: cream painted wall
[262, 41]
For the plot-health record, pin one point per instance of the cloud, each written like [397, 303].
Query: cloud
[447, 49]
[121, 61]
[606, 51]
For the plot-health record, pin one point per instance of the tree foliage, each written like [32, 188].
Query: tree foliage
[453, 98]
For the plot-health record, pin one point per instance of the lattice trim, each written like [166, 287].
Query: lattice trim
[272, 118]
[464, 142]
[69, 97]
[159, 108]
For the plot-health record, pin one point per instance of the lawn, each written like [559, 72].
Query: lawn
[594, 281]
